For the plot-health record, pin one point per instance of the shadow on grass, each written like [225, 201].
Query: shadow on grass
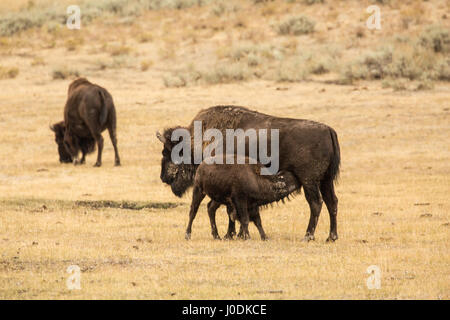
[44, 204]
[131, 205]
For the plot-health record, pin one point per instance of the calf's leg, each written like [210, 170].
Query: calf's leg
[231, 232]
[256, 218]
[242, 212]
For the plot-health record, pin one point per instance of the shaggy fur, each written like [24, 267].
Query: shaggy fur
[88, 112]
[87, 144]
[308, 149]
[242, 189]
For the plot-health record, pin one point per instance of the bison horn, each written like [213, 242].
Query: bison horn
[160, 137]
[52, 127]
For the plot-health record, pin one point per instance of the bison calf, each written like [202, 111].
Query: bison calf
[89, 110]
[240, 187]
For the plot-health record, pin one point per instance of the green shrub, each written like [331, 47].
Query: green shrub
[174, 81]
[12, 23]
[404, 60]
[292, 70]
[222, 7]
[8, 72]
[64, 73]
[296, 26]
[37, 16]
[442, 69]
[225, 73]
[310, 2]
[424, 84]
[372, 65]
[396, 84]
[436, 38]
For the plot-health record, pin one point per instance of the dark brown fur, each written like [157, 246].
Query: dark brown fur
[88, 112]
[242, 189]
[308, 149]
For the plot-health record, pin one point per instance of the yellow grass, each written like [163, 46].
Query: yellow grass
[393, 157]
[393, 190]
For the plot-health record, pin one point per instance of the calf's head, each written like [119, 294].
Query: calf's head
[59, 129]
[179, 176]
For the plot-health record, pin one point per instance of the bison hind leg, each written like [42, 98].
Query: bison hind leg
[331, 201]
[99, 140]
[113, 136]
[314, 199]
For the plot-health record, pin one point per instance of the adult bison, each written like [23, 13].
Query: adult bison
[89, 110]
[308, 149]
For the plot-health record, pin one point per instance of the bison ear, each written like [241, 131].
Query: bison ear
[160, 137]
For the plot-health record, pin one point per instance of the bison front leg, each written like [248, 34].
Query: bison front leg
[242, 212]
[197, 197]
[99, 140]
[212, 208]
[256, 218]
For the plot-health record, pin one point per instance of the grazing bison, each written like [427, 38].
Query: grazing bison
[242, 188]
[307, 149]
[88, 112]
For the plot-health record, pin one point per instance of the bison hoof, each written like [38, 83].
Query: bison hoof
[332, 238]
[244, 236]
[228, 237]
[98, 164]
[308, 237]
[76, 162]
[117, 163]
[187, 236]
[216, 237]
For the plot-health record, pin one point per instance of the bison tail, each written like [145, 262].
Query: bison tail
[104, 108]
[333, 168]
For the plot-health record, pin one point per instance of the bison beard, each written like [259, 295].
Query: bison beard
[59, 129]
[86, 144]
[183, 179]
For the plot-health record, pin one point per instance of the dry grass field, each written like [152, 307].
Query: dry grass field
[125, 229]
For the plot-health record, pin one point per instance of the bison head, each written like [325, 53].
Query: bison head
[179, 176]
[59, 129]
[71, 142]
